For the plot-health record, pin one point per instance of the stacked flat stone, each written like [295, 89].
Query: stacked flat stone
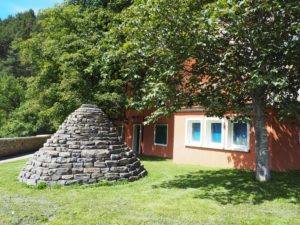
[85, 149]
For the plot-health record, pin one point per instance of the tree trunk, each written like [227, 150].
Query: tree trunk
[261, 139]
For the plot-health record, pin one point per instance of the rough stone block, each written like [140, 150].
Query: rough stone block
[88, 153]
[55, 177]
[31, 181]
[91, 170]
[125, 175]
[135, 165]
[115, 156]
[62, 171]
[120, 169]
[67, 177]
[66, 165]
[96, 175]
[82, 177]
[78, 165]
[123, 162]
[64, 154]
[88, 164]
[77, 170]
[99, 164]
[70, 182]
[111, 163]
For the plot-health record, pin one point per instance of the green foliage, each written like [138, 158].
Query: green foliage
[13, 89]
[67, 54]
[115, 5]
[16, 27]
[41, 185]
[12, 92]
[240, 49]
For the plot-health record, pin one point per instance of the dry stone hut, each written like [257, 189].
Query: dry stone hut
[85, 149]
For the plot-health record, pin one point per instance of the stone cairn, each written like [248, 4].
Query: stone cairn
[85, 149]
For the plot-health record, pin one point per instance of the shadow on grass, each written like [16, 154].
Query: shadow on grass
[236, 186]
[151, 158]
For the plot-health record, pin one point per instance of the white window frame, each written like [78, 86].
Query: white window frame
[205, 135]
[188, 132]
[230, 145]
[207, 130]
[161, 124]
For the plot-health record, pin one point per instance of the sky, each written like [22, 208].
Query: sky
[12, 7]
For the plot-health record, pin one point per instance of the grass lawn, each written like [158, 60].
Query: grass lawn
[170, 194]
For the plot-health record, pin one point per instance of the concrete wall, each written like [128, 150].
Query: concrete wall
[11, 146]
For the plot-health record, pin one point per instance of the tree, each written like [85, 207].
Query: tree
[228, 56]
[67, 53]
[14, 27]
[12, 72]
[11, 96]
[115, 5]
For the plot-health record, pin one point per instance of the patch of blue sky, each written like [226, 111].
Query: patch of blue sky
[12, 7]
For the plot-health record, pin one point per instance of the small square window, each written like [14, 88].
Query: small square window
[161, 134]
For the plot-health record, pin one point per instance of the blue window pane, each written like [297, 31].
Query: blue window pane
[216, 132]
[196, 131]
[240, 136]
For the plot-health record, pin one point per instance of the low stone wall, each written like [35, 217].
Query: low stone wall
[12, 146]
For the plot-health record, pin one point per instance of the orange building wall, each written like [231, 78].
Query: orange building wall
[147, 143]
[283, 142]
[207, 156]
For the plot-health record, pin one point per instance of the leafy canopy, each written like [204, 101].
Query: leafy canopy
[218, 54]
[66, 53]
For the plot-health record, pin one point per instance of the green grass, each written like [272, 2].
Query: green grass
[170, 194]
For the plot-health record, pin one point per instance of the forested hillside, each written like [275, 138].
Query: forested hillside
[13, 73]
[52, 63]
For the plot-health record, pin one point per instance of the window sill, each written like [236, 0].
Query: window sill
[193, 144]
[238, 149]
[163, 145]
[212, 147]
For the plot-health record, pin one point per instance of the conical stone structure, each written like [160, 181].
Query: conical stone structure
[85, 149]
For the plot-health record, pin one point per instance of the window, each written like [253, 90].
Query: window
[193, 132]
[213, 137]
[238, 136]
[196, 132]
[216, 132]
[161, 134]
